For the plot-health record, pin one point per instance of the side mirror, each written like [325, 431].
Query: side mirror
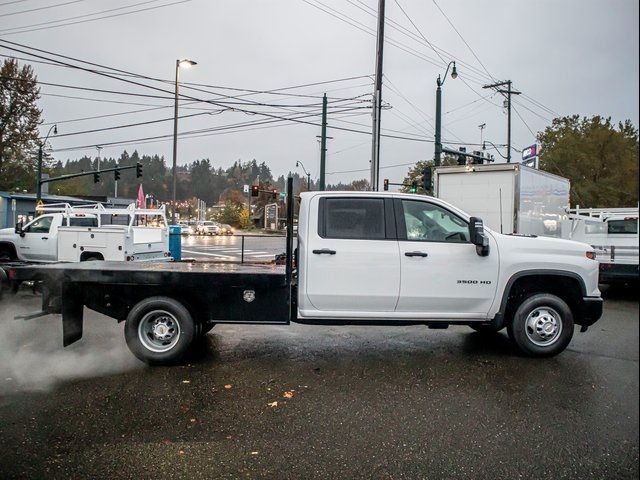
[478, 237]
[19, 230]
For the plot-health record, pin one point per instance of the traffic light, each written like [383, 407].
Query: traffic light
[386, 184]
[414, 187]
[96, 177]
[274, 192]
[138, 170]
[478, 161]
[116, 174]
[462, 159]
[255, 190]
[427, 178]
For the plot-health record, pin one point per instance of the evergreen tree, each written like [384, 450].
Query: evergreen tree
[19, 120]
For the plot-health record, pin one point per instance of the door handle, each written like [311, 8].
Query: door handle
[45, 238]
[324, 251]
[416, 254]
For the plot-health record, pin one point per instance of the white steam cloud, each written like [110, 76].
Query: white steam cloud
[32, 356]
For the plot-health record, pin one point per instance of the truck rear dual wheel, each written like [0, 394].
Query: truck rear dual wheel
[159, 330]
[542, 326]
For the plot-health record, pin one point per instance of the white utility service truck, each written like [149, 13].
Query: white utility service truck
[511, 198]
[363, 258]
[76, 234]
[613, 233]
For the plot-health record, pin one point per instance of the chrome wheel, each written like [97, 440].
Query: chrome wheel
[159, 331]
[543, 326]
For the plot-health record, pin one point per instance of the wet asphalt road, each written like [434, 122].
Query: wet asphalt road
[368, 402]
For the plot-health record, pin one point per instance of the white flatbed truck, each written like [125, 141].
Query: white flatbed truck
[363, 258]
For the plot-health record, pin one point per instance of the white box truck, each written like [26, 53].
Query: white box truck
[511, 198]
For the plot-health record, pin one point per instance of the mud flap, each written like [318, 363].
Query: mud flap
[72, 307]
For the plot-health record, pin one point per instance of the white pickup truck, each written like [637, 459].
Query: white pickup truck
[363, 258]
[77, 234]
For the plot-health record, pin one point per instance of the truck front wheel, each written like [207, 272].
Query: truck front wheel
[542, 326]
[159, 330]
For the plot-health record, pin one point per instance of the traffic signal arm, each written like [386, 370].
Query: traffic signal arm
[96, 174]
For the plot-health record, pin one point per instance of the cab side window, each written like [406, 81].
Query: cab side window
[430, 223]
[40, 225]
[352, 218]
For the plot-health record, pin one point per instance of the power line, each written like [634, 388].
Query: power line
[523, 121]
[366, 169]
[98, 18]
[137, 124]
[250, 112]
[462, 38]
[12, 2]
[41, 8]
[434, 49]
[297, 118]
[407, 33]
[281, 91]
[535, 113]
[86, 15]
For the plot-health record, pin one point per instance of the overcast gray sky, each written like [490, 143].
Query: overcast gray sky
[567, 57]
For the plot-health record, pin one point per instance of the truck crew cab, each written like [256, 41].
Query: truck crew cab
[364, 258]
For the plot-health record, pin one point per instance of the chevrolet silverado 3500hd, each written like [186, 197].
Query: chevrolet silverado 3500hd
[365, 258]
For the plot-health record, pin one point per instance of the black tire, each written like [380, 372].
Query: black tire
[486, 329]
[542, 326]
[145, 345]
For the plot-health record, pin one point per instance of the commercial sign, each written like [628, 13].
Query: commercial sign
[271, 216]
[530, 152]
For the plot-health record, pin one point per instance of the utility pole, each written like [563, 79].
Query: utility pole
[377, 100]
[323, 143]
[507, 93]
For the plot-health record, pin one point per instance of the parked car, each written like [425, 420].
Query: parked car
[226, 229]
[188, 228]
[208, 228]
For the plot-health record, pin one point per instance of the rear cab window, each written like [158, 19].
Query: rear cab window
[625, 226]
[83, 222]
[356, 218]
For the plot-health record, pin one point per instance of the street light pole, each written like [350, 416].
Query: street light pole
[438, 135]
[299, 164]
[186, 64]
[39, 171]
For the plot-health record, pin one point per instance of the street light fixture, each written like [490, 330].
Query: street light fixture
[299, 164]
[180, 63]
[54, 128]
[440, 83]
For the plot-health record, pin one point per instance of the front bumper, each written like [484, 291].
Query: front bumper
[590, 311]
